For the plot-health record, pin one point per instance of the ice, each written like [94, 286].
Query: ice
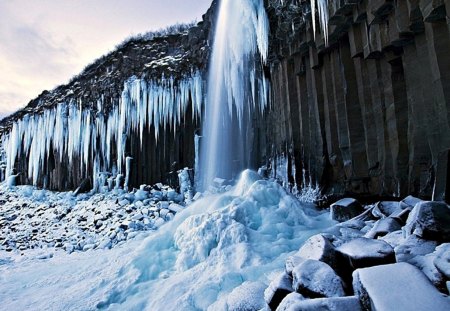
[237, 88]
[73, 131]
[322, 8]
[210, 248]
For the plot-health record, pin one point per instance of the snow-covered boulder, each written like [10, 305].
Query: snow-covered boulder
[290, 301]
[413, 246]
[279, 288]
[291, 262]
[315, 279]
[442, 260]
[247, 297]
[318, 247]
[430, 221]
[363, 252]
[383, 227]
[410, 201]
[400, 287]
[325, 304]
[345, 209]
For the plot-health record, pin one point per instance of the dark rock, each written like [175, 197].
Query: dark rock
[318, 247]
[315, 279]
[345, 209]
[84, 187]
[323, 304]
[363, 252]
[430, 221]
[401, 285]
[278, 289]
[383, 227]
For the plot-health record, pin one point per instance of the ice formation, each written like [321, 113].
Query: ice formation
[212, 255]
[322, 8]
[98, 138]
[237, 88]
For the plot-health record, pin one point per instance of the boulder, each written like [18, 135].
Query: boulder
[363, 252]
[430, 221]
[345, 209]
[400, 287]
[383, 227]
[290, 301]
[413, 246]
[410, 202]
[323, 304]
[442, 260]
[319, 247]
[315, 279]
[291, 262]
[278, 289]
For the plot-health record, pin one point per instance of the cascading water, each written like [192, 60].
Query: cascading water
[236, 88]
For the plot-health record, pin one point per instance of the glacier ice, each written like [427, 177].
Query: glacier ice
[98, 138]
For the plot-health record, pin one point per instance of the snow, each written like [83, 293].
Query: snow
[207, 251]
[289, 302]
[400, 285]
[313, 276]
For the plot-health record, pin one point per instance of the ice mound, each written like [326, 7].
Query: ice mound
[218, 243]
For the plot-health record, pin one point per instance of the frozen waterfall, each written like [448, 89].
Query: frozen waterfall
[237, 88]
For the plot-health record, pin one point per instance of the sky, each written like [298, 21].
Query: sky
[44, 43]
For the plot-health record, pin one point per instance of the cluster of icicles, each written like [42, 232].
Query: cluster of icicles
[69, 130]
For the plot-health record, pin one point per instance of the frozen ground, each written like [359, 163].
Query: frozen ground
[215, 254]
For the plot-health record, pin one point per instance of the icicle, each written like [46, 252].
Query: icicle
[322, 9]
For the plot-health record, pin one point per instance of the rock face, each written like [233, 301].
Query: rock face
[369, 112]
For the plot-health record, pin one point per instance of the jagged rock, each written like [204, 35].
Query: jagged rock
[410, 201]
[318, 247]
[430, 221]
[345, 209]
[383, 227]
[278, 289]
[315, 279]
[401, 285]
[323, 304]
[442, 260]
[363, 252]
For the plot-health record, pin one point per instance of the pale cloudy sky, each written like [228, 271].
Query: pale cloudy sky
[43, 43]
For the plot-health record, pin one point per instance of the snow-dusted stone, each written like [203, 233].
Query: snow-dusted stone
[279, 288]
[345, 209]
[430, 221]
[318, 247]
[176, 208]
[413, 246]
[410, 202]
[442, 260]
[124, 202]
[323, 304]
[291, 262]
[400, 287]
[426, 265]
[289, 301]
[363, 252]
[394, 239]
[315, 279]
[385, 208]
[383, 227]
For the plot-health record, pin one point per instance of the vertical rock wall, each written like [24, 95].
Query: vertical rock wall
[370, 112]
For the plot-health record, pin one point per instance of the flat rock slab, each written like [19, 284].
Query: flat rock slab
[383, 227]
[430, 221]
[315, 279]
[345, 209]
[323, 304]
[363, 252]
[399, 287]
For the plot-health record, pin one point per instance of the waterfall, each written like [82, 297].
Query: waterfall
[236, 90]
